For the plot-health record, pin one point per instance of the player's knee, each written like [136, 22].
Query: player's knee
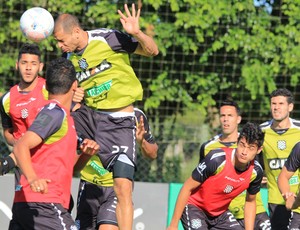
[123, 188]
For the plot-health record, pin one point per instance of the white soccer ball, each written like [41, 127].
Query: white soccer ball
[36, 24]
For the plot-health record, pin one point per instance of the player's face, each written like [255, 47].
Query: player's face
[246, 152]
[229, 119]
[280, 108]
[29, 67]
[66, 41]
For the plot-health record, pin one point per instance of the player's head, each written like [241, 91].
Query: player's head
[284, 93]
[282, 103]
[250, 143]
[60, 76]
[230, 116]
[252, 133]
[29, 63]
[30, 49]
[67, 32]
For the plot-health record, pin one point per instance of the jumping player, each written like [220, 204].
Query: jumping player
[110, 87]
[96, 202]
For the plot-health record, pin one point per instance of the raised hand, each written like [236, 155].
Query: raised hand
[130, 21]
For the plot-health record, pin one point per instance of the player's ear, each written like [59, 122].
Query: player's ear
[17, 66]
[239, 119]
[76, 31]
[75, 85]
[41, 66]
[259, 150]
[291, 107]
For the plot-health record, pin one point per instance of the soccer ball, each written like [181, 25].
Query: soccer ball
[36, 24]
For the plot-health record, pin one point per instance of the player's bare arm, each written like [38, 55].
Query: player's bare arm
[8, 135]
[88, 149]
[284, 187]
[250, 211]
[182, 199]
[149, 150]
[130, 22]
[22, 153]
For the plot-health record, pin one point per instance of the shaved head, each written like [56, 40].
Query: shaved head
[66, 22]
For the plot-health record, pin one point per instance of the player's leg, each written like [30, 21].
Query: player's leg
[294, 221]
[241, 222]
[225, 221]
[262, 221]
[116, 135]
[42, 216]
[193, 218]
[123, 177]
[107, 227]
[87, 206]
[107, 219]
[279, 216]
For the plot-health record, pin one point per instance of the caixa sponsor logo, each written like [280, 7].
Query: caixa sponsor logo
[277, 163]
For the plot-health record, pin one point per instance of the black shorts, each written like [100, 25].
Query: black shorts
[116, 136]
[84, 122]
[294, 221]
[28, 216]
[194, 218]
[262, 222]
[96, 205]
[279, 216]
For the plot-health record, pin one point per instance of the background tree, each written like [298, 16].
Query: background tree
[209, 49]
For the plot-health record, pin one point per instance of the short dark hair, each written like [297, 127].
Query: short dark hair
[60, 75]
[252, 133]
[283, 92]
[28, 48]
[231, 103]
[67, 22]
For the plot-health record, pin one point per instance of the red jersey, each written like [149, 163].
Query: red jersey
[23, 107]
[215, 194]
[54, 158]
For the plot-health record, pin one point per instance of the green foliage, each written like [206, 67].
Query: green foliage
[206, 47]
[172, 169]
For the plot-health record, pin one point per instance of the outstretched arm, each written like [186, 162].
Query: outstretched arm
[130, 22]
[181, 202]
